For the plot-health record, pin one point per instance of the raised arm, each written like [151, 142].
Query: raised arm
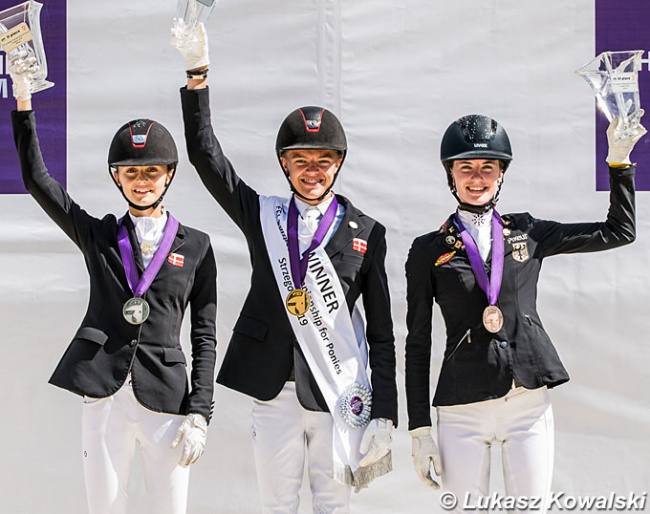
[204, 151]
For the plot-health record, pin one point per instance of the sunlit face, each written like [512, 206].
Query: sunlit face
[476, 180]
[311, 172]
[143, 185]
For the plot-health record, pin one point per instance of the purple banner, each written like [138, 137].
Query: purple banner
[623, 25]
[50, 104]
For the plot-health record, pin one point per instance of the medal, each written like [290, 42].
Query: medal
[136, 311]
[492, 319]
[147, 247]
[355, 405]
[298, 302]
[491, 286]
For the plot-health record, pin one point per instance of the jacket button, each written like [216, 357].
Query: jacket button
[503, 344]
[133, 342]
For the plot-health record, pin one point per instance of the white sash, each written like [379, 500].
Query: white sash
[333, 344]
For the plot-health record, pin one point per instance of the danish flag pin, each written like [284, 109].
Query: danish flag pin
[359, 245]
[176, 259]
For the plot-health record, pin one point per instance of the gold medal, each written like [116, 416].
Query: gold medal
[492, 319]
[298, 302]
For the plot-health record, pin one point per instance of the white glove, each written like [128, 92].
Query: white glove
[192, 44]
[195, 431]
[621, 141]
[21, 66]
[425, 452]
[376, 440]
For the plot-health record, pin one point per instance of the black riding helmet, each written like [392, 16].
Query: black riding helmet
[475, 137]
[143, 142]
[311, 128]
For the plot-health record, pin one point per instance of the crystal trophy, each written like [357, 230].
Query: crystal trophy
[189, 13]
[20, 38]
[614, 78]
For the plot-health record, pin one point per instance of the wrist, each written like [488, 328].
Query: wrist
[619, 165]
[420, 432]
[198, 73]
[197, 419]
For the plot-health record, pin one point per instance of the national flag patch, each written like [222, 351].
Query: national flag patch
[176, 259]
[359, 245]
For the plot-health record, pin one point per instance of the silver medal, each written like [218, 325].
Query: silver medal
[355, 404]
[136, 311]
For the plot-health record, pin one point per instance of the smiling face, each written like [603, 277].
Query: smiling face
[143, 185]
[477, 180]
[311, 172]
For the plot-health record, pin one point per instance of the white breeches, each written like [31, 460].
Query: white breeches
[522, 421]
[285, 436]
[112, 429]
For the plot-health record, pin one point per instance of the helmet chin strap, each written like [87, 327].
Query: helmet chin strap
[143, 207]
[476, 209]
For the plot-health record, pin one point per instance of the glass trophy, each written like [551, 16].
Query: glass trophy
[20, 38]
[189, 13]
[613, 76]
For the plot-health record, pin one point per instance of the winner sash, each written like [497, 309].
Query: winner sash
[333, 344]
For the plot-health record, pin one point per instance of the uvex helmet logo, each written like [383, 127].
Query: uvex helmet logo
[312, 119]
[480, 145]
[139, 132]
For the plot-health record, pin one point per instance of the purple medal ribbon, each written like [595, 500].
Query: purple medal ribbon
[140, 285]
[490, 286]
[298, 263]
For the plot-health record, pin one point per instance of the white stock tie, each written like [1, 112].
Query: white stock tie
[312, 217]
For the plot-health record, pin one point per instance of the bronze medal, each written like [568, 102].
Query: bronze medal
[492, 319]
[298, 302]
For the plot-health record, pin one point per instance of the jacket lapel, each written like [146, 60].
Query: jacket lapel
[350, 226]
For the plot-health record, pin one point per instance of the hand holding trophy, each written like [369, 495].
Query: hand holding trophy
[613, 76]
[20, 38]
[188, 32]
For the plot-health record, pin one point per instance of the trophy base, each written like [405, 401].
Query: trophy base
[40, 85]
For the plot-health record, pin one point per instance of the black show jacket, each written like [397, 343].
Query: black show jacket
[106, 347]
[263, 349]
[478, 365]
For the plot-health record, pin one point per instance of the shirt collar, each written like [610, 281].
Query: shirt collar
[322, 207]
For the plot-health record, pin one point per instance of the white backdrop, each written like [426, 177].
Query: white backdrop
[397, 73]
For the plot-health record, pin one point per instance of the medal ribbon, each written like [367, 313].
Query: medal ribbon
[492, 285]
[140, 285]
[298, 262]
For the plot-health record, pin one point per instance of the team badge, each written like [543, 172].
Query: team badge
[506, 232]
[359, 245]
[176, 259]
[520, 251]
[445, 258]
